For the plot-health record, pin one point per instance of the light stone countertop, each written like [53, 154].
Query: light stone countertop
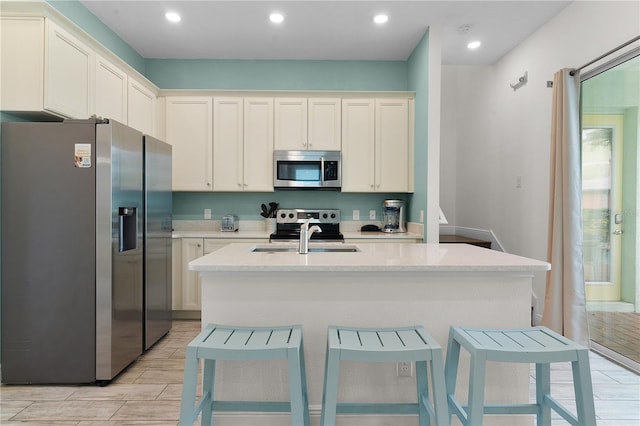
[377, 257]
[253, 234]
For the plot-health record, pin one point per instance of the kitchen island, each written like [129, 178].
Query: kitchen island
[434, 285]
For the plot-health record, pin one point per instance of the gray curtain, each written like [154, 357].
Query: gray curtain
[565, 302]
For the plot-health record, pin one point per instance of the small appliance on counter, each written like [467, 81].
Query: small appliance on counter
[393, 216]
[288, 223]
[229, 223]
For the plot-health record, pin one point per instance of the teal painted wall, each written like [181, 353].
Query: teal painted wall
[190, 206]
[86, 20]
[418, 76]
[277, 74]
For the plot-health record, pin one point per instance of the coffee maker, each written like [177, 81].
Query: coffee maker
[393, 216]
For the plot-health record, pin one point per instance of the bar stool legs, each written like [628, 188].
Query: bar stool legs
[386, 345]
[535, 345]
[219, 342]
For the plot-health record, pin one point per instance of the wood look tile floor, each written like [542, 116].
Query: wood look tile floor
[148, 392]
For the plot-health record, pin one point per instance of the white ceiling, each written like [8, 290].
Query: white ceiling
[322, 30]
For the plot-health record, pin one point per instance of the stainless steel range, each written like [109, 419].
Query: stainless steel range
[288, 223]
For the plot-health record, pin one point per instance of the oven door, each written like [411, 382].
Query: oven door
[307, 169]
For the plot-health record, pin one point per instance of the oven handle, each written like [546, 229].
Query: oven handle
[322, 171]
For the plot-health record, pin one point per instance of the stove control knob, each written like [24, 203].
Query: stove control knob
[333, 215]
[283, 215]
[324, 216]
[290, 215]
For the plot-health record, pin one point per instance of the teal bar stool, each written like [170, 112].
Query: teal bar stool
[537, 345]
[222, 342]
[386, 345]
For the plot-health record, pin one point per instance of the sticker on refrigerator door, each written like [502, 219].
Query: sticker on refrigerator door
[82, 155]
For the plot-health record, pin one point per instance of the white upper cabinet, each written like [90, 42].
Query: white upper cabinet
[258, 144]
[228, 154]
[22, 64]
[358, 145]
[69, 74]
[394, 146]
[110, 91]
[141, 107]
[377, 145]
[290, 124]
[242, 144]
[45, 69]
[307, 124]
[324, 124]
[189, 129]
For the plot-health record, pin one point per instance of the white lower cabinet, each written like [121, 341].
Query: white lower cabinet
[186, 287]
[192, 248]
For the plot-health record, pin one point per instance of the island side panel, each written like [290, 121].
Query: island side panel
[319, 299]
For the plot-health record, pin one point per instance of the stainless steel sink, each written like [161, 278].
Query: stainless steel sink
[332, 248]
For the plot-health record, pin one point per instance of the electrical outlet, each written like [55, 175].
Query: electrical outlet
[207, 213]
[421, 216]
[356, 215]
[404, 369]
[372, 215]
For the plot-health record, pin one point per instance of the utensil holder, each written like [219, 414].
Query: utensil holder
[270, 225]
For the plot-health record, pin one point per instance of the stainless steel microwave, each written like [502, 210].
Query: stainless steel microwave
[307, 169]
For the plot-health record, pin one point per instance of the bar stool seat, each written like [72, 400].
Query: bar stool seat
[385, 345]
[537, 345]
[223, 342]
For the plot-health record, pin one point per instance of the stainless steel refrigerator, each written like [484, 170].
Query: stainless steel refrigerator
[73, 294]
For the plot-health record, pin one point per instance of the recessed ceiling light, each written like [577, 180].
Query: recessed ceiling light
[276, 18]
[380, 19]
[473, 45]
[172, 16]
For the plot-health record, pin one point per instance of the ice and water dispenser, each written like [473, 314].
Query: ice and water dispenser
[393, 216]
[128, 232]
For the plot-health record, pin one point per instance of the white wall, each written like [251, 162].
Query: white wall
[491, 134]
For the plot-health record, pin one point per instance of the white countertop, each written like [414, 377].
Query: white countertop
[379, 257]
[254, 234]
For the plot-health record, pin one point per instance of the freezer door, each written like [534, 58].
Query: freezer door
[119, 249]
[158, 206]
[48, 257]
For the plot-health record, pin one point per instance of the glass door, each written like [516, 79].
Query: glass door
[610, 119]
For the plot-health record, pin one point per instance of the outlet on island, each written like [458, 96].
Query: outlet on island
[404, 369]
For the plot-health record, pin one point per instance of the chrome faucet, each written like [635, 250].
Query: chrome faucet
[305, 235]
